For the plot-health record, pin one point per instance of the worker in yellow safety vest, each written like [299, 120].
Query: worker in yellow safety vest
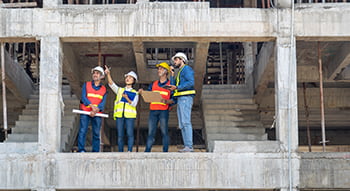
[184, 93]
[124, 108]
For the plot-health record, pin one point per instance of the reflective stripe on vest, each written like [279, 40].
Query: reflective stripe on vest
[165, 95]
[94, 96]
[185, 92]
[123, 109]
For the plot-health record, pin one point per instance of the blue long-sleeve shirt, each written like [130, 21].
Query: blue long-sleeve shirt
[87, 102]
[186, 79]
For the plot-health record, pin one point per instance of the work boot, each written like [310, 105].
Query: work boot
[186, 149]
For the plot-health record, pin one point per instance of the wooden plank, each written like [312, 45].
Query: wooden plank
[330, 148]
[18, 5]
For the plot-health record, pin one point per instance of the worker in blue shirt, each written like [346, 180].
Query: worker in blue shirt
[93, 99]
[184, 93]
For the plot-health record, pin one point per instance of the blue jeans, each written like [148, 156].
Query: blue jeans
[156, 116]
[184, 108]
[129, 126]
[96, 127]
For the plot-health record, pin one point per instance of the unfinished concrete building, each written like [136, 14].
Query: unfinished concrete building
[271, 110]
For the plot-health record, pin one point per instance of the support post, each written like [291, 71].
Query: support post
[249, 65]
[323, 128]
[286, 95]
[52, 3]
[3, 74]
[50, 101]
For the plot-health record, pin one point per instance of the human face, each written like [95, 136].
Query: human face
[96, 75]
[161, 71]
[129, 80]
[177, 62]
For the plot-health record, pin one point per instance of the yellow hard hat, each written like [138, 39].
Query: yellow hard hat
[164, 65]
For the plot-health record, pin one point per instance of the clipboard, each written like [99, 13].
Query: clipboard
[131, 96]
[149, 96]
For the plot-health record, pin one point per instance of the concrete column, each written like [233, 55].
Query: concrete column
[286, 102]
[50, 95]
[249, 65]
[52, 3]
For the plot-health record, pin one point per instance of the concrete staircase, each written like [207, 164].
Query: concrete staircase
[230, 114]
[26, 127]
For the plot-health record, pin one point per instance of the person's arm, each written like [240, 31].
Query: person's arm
[109, 77]
[172, 80]
[114, 87]
[101, 106]
[150, 87]
[135, 101]
[84, 99]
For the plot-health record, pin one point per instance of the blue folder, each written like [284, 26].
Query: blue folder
[131, 96]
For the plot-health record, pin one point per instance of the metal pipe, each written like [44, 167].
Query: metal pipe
[321, 99]
[4, 104]
[138, 124]
[228, 68]
[99, 54]
[221, 64]
[307, 114]
[37, 61]
[156, 52]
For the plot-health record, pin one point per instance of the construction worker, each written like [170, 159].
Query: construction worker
[184, 93]
[124, 108]
[159, 111]
[93, 99]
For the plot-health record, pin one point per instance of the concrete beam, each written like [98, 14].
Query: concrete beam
[201, 54]
[338, 61]
[264, 71]
[141, 20]
[312, 24]
[71, 69]
[171, 171]
[324, 170]
[17, 80]
[50, 101]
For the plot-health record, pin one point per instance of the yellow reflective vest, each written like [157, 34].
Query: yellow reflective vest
[183, 92]
[123, 109]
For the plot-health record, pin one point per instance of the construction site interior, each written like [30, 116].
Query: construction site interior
[224, 66]
[237, 89]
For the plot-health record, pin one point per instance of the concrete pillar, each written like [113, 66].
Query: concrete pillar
[283, 3]
[50, 95]
[249, 65]
[286, 102]
[52, 3]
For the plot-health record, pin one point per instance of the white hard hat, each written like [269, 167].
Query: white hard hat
[132, 74]
[98, 68]
[180, 55]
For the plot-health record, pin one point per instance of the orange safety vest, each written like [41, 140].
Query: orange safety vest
[165, 95]
[94, 96]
